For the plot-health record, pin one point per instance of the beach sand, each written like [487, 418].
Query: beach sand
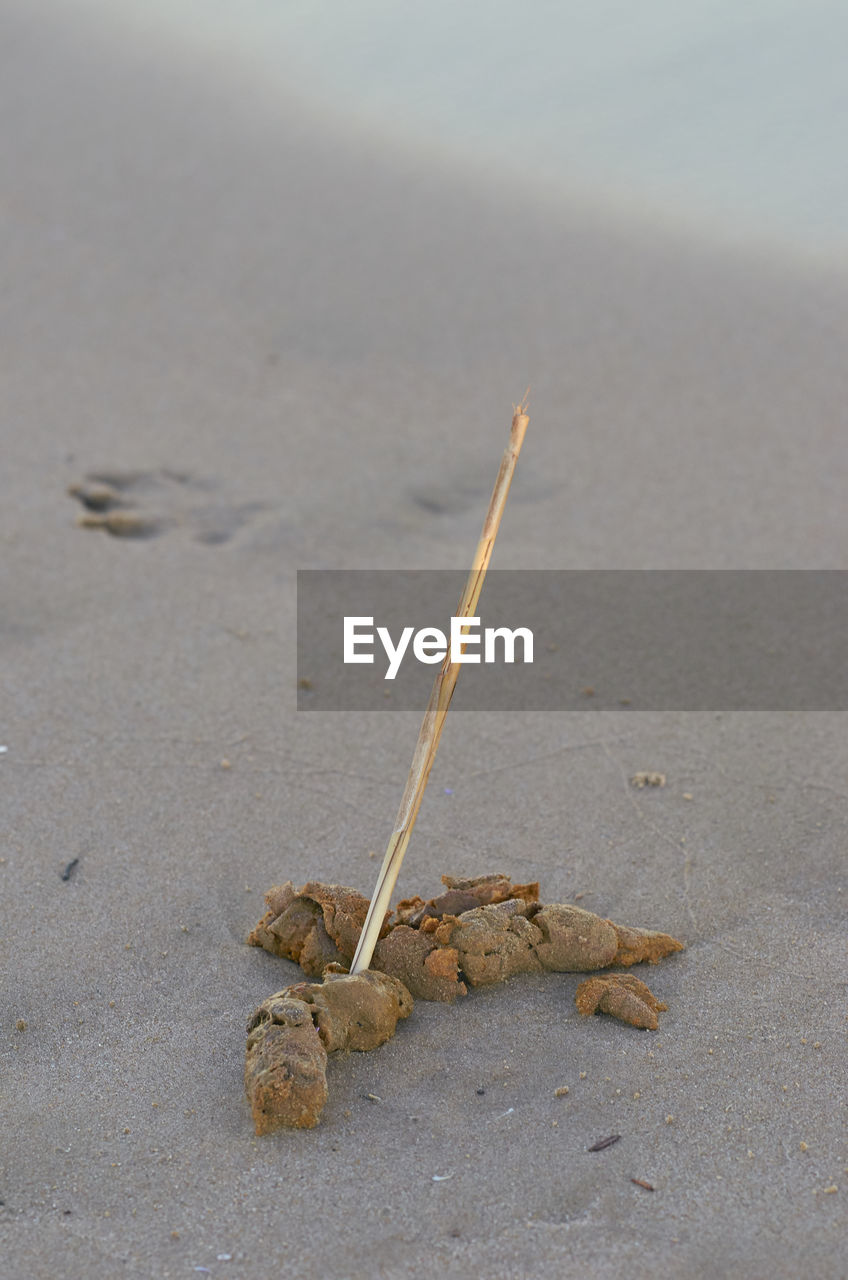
[296, 348]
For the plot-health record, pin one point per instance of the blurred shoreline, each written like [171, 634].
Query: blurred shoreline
[707, 123]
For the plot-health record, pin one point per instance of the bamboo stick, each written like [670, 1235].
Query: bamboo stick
[437, 707]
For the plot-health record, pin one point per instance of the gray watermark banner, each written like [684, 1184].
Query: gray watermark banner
[649, 640]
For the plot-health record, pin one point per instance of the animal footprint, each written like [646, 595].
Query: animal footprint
[456, 493]
[143, 504]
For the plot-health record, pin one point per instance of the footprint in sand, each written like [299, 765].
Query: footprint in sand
[461, 492]
[144, 504]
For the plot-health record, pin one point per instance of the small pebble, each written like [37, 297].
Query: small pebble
[648, 778]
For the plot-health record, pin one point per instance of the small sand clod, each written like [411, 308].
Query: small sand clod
[623, 996]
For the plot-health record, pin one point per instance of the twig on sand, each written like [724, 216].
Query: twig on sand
[437, 707]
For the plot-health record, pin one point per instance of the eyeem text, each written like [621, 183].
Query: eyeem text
[430, 645]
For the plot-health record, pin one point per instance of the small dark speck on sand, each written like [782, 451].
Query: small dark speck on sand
[603, 1143]
[66, 874]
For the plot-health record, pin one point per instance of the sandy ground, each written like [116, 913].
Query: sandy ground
[294, 336]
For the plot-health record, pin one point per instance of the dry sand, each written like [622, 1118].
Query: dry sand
[285, 329]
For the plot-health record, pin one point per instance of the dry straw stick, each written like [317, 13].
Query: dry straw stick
[437, 707]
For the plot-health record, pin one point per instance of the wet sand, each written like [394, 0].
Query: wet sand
[286, 347]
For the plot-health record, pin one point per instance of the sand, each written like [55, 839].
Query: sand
[267, 334]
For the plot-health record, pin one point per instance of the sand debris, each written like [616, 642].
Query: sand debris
[623, 996]
[603, 1143]
[291, 1033]
[478, 932]
[647, 778]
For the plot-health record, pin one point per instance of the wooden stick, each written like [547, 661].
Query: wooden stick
[437, 707]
